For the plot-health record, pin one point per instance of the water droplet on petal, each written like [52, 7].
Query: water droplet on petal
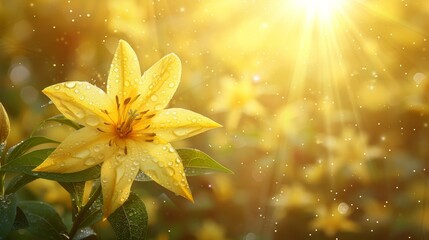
[70, 84]
[170, 171]
[57, 87]
[158, 107]
[171, 85]
[90, 161]
[154, 98]
[92, 120]
[180, 132]
[79, 114]
[83, 154]
[171, 149]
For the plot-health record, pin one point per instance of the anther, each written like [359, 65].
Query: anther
[100, 130]
[117, 101]
[126, 150]
[126, 101]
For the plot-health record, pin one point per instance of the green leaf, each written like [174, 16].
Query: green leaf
[85, 234]
[20, 220]
[22, 147]
[18, 182]
[27, 162]
[197, 163]
[7, 213]
[93, 214]
[61, 120]
[44, 221]
[76, 190]
[130, 220]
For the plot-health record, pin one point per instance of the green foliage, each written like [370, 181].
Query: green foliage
[89, 215]
[24, 146]
[18, 182]
[197, 163]
[7, 213]
[130, 220]
[27, 162]
[44, 221]
[61, 120]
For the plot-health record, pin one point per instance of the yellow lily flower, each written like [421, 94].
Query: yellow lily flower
[127, 128]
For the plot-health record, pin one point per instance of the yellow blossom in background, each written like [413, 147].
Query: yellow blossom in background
[127, 128]
[334, 219]
[127, 17]
[237, 98]
[223, 187]
[210, 231]
[291, 197]
[415, 93]
[350, 152]
[50, 191]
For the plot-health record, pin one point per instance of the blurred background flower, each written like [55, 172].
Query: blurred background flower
[324, 103]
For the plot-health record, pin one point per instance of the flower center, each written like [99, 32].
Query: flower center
[125, 125]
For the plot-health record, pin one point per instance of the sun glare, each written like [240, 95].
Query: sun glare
[320, 9]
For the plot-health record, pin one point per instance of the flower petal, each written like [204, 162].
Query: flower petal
[83, 149]
[162, 163]
[117, 176]
[176, 123]
[80, 101]
[160, 83]
[124, 74]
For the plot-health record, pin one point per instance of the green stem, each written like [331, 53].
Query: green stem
[82, 212]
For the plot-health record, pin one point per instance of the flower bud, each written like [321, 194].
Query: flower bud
[4, 124]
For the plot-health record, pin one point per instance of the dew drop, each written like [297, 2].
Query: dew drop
[70, 84]
[92, 120]
[171, 85]
[170, 171]
[158, 107]
[79, 114]
[90, 161]
[154, 98]
[57, 87]
[96, 148]
[136, 163]
[171, 149]
[180, 132]
[83, 154]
